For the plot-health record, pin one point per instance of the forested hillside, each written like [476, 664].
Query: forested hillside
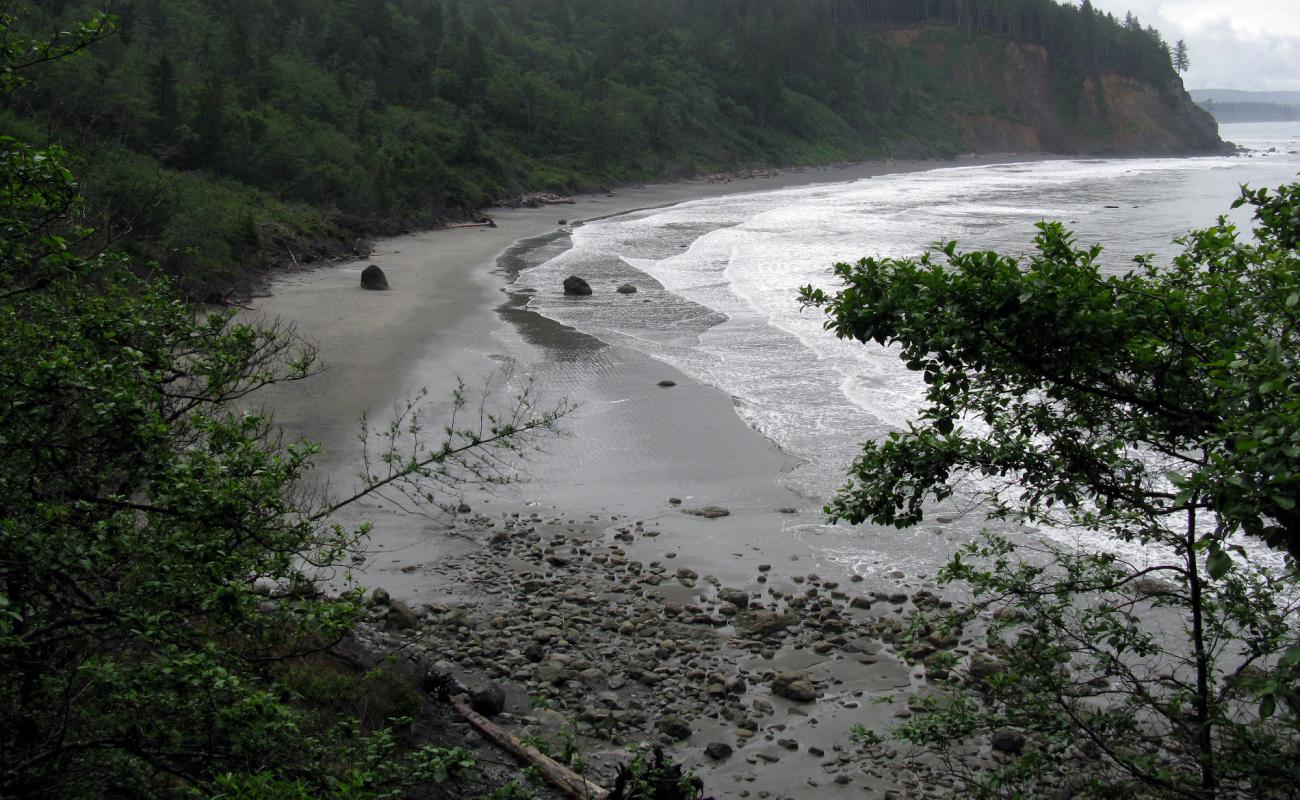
[219, 137]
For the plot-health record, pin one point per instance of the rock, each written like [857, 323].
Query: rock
[762, 622]
[982, 666]
[550, 720]
[737, 597]
[718, 750]
[795, 686]
[708, 512]
[573, 285]
[1153, 587]
[626, 288]
[860, 601]
[463, 508]
[919, 651]
[487, 697]
[548, 633]
[1008, 740]
[373, 278]
[674, 727]
[686, 574]
[551, 672]
[666, 384]
[400, 615]
[674, 501]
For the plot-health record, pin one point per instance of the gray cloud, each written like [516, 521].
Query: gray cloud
[1249, 44]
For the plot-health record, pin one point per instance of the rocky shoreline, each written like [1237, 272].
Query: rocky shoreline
[584, 623]
[582, 634]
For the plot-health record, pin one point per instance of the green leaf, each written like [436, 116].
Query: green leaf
[1267, 705]
[1290, 658]
[1218, 564]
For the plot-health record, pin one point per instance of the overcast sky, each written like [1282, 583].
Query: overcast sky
[1232, 44]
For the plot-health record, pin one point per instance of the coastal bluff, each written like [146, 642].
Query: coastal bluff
[1009, 96]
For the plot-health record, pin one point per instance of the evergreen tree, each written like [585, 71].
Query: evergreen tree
[166, 107]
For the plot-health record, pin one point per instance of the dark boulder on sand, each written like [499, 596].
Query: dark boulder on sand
[486, 697]
[372, 277]
[573, 285]
[796, 686]
[675, 728]
[626, 288]
[759, 622]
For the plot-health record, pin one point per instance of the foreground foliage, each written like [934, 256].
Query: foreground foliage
[1160, 407]
[158, 551]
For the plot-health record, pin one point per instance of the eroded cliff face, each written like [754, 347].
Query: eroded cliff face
[1007, 96]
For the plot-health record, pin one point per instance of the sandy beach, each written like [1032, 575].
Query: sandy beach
[587, 588]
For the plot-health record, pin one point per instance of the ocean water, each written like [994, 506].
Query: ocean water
[718, 279]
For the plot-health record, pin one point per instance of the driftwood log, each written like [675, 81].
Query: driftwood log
[554, 773]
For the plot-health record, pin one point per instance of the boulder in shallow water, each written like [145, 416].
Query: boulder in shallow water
[372, 277]
[708, 512]
[573, 285]
[737, 597]
[626, 288]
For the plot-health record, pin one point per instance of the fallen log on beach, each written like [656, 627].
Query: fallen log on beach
[554, 773]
